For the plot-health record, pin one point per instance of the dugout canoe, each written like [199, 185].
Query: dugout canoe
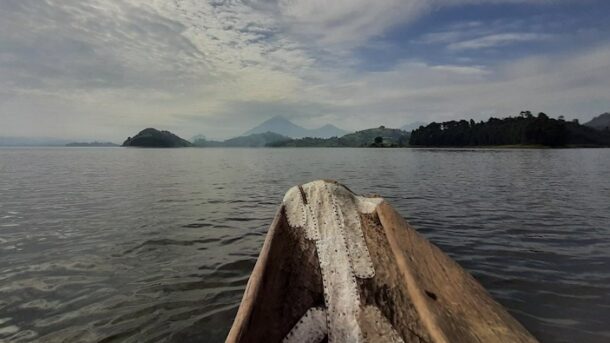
[337, 267]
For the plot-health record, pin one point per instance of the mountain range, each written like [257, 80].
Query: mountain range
[285, 127]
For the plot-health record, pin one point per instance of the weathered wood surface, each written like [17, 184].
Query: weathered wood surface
[413, 293]
[284, 284]
[453, 306]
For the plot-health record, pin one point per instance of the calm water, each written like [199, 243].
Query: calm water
[112, 244]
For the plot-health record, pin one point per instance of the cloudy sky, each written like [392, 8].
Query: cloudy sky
[104, 69]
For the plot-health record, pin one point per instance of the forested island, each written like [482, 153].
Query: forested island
[153, 138]
[522, 130]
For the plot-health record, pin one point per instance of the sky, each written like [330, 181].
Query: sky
[105, 69]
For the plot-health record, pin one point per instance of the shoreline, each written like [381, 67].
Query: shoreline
[478, 147]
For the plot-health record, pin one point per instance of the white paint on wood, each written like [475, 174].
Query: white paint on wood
[367, 205]
[310, 329]
[340, 289]
[330, 215]
[294, 207]
[346, 210]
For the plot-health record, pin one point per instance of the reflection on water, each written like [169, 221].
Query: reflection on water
[103, 244]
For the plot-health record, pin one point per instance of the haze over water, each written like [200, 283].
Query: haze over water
[146, 245]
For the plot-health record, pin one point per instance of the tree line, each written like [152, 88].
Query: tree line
[524, 129]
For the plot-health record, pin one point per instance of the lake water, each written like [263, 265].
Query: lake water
[149, 245]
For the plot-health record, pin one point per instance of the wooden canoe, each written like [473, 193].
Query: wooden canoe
[336, 267]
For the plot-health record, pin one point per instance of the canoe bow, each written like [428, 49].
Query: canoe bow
[337, 267]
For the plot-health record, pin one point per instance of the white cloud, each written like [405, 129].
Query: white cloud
[141, 61]
[348, 21]
[352, 22]
[499, 39]
[463, 70]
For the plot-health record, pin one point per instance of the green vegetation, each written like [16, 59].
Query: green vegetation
[377, 137]
[524, 129]
[256, 140]
[369, 137]
[153, 138]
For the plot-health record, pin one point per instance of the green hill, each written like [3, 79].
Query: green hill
[256, 140]
[153, 138]
[376, 137]
[390, 137]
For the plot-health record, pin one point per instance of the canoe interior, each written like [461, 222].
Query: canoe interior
[290, 283]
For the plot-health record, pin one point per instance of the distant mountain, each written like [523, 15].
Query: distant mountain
[413, 126]
[256, 140]
[601, 122]
[279, 125]
[375, 137]
[198, 137]
[285, 127]
[91, 144]
[326, 131]
[26, 141]
[153, 138]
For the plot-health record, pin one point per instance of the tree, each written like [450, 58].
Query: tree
[378, 140]
[526, 114]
